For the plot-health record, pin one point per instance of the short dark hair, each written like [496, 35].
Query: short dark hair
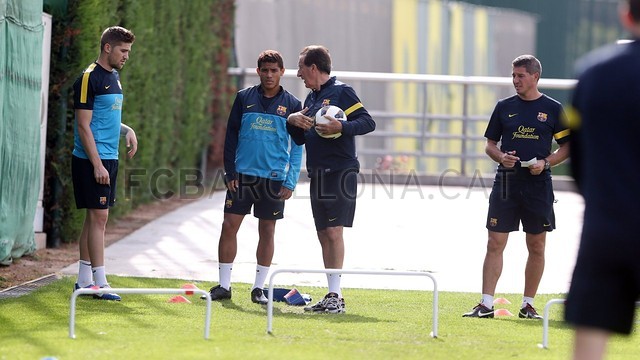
[634, 9]
[318, 55]
[116, 35]
[530, 63]
[270, 56]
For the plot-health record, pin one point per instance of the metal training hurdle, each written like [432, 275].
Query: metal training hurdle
[545, 321]
[434, 332]
[84, 291]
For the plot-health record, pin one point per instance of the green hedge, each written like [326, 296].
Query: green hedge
[178, 62]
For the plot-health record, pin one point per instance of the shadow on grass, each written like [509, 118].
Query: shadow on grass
[296, 312]
[553, 324]
[134, 310]
[47, 302]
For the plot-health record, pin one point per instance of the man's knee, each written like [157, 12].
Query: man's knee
[496, 242]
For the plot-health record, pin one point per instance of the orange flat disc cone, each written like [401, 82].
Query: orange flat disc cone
[501, 301]
[502, 312]
[188, 286]
[179, 299]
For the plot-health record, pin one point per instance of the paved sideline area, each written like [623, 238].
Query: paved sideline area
[405, 228]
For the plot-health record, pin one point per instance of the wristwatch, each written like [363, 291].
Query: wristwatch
[547, 164]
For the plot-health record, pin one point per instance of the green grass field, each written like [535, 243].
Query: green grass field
[379, 324]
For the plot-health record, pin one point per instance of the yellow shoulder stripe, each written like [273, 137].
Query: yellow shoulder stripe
[561, 134]
[573, 119]
[85, 83]
[353, 108]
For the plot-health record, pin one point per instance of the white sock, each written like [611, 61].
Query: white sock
[100, 276]
[85, 276]
[487, 300]
[334, 283]
[525, 300]
[261, 276]
[224, 270]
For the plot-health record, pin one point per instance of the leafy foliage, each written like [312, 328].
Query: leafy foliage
[176, 71]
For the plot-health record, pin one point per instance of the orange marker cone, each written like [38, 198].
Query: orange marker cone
[502, 312]
[179, 299]
[188, 286]
[501, 301]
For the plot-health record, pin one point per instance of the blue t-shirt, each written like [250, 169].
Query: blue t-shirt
[99, 90]
[257, 142]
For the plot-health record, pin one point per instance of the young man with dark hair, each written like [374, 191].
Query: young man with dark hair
[98, 110]
[262, 167]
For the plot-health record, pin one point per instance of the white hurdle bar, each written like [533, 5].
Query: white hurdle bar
[89, 291]
[434, 332]
[545, 322]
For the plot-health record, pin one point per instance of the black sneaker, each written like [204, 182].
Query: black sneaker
[480, 311]
[218, 293]
[257, 296]
[335, 305]
[529, 312]
[331, 303]
[318, 307]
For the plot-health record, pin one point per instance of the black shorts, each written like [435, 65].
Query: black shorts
[258, 192]
[88, 193]
[333, 198]
[529, 202]
[607, 268]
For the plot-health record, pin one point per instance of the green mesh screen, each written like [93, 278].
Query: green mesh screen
[21, 33]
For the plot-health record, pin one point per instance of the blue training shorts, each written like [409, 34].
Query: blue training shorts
[529, 202]
[607, 268]
[88, 193]
[333, 198]
[258, 192]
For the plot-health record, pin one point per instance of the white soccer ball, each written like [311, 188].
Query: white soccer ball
[333, 111]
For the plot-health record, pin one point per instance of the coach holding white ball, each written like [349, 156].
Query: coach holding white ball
[332, 163]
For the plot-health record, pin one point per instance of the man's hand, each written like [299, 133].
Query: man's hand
[132, 143]
[285, 193]
[537, 168]
[332, 127]
[232, 185]
[299, 119]
[509, 159]
[102, 175]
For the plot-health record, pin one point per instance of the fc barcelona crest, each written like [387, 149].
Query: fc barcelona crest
[228, 203]
[493, 222]
[542, 117]
[103, 200]
[281, 110]
[326, 102]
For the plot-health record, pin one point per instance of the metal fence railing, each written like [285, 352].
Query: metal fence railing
[437, 141]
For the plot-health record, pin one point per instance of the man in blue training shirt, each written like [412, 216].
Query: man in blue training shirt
[98, 109]
[525, 124]
[262, 167]
[332, 163]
